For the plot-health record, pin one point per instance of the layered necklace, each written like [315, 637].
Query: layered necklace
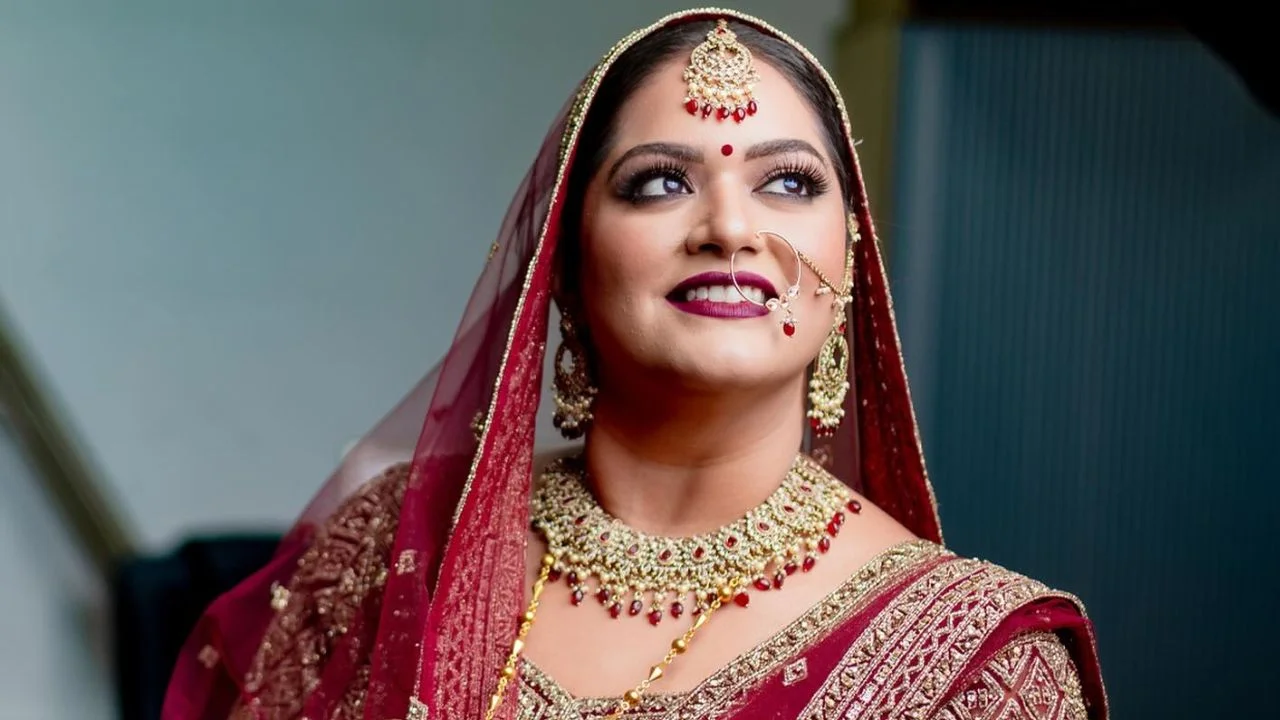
[629, 573]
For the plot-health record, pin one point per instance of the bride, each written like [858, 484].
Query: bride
[746, 530]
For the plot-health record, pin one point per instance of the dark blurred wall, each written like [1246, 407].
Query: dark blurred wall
[1087, 269]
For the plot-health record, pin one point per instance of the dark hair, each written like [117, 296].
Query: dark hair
[638, 64]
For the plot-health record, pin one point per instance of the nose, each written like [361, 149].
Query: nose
[725, 225]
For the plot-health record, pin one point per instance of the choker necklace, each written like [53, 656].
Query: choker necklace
[625, 569]
[628, 571]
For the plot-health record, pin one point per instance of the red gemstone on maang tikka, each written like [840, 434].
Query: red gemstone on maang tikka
[761, 584]
[752, 108]
[739, 115]
[809, 562]
[692, 106]
[742, 599]
[706, 110]
[722, 113]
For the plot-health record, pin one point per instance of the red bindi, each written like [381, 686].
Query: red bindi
[727, 150]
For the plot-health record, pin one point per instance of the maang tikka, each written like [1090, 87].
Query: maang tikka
[721, 75]
[829, 382]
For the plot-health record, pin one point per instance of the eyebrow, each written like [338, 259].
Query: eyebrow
[675, 151]
[779, 147]
[690, 154]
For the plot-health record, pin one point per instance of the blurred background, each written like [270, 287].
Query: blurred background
[232, 235]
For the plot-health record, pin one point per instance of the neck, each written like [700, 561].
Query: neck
[686, 465]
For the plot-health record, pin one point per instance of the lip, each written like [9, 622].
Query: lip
[707, 308]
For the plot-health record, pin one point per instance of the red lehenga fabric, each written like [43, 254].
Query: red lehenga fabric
[397, 597]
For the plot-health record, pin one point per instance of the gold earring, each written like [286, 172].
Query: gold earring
[573, 392]
[830, 380]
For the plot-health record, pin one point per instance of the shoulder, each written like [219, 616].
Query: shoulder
[1027, 647]
[989, 643]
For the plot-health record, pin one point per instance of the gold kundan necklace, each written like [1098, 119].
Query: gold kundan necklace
[626, 570]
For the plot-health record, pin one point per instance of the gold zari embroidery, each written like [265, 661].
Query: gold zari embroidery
[912, 654]
[1032, 678]
[342, 570]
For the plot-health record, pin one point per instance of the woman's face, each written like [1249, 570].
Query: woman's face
[674, 198]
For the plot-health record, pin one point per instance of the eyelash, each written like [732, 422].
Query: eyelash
[630, 189]
[808, 171]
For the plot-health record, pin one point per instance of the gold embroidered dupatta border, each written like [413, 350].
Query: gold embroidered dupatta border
[918, 648]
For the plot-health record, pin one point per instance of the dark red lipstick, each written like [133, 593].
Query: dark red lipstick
[679, 296]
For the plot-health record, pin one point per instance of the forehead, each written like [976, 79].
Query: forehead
[655, 111]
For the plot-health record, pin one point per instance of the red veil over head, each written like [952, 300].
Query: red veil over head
[433, 645]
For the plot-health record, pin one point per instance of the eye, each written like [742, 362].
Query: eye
[664, 184]
[789, 184]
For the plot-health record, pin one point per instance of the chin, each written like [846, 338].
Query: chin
[723, 368]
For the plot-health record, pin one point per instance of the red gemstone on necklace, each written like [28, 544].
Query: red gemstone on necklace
[788, 328]
[615, 610]
[691, 106]
[604, 537]
[655, 616]
[788, 509]
[580, 519]
[677, 609]
[752, 107]
[824, 544]
[839, 518]
[699, 552]
[573, 578]
[576, 597]
[636, 607]
[731, 542]
[843, 328]
[762, 526]
[778, 577]
[761, 584]
[553, 575]
[742, 599]
[833, 529]
[603, 596]
[854, 506]
[665, 555]
[633, 550]
[809, 562]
